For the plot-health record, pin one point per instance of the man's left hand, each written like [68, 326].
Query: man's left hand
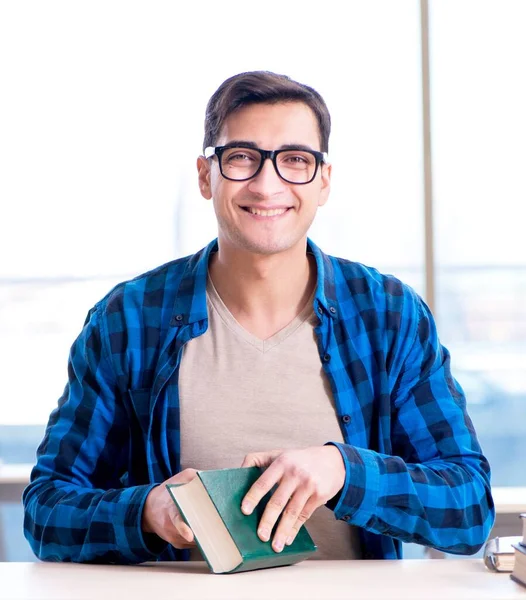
[307, 479]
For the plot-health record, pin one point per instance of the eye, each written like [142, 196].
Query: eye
[296, 159]
[239, 156]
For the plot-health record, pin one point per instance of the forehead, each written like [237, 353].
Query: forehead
[272, 125]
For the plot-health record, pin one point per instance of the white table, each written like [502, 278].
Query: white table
[509, 500]
[311, 580]
[13, 480]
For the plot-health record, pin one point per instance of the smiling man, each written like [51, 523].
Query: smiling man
[261, 350]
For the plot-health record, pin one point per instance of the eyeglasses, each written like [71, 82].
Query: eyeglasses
[293, 165]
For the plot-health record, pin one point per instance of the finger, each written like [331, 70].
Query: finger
[183, 477]
[178, 534]
[182, 529]
[250, 460]
[260, 487]
[277, 503]
[178, 542]
[260, 459]
[294, 514]
[175, 538]
[306, 514]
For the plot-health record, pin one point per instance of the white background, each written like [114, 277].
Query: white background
[101, 120]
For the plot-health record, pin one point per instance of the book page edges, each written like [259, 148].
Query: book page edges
[210, 532]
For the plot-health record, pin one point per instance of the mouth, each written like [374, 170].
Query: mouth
[271, 212]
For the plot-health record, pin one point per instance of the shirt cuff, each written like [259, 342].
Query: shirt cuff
[135, 544]
[333, 502]
[356, 501]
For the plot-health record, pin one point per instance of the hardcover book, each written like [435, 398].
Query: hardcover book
[519, 569]
[499, 553]
[210, 504]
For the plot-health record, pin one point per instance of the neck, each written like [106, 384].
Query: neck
[270, 289]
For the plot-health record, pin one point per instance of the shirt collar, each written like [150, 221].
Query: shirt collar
[190, 303]
[325, 296]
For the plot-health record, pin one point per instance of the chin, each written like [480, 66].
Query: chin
[265, 247]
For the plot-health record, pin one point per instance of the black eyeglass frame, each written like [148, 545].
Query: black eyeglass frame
[320, 157]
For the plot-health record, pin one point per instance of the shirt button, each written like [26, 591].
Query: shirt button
[176, 320]
[326, 357]
[346, 518]
[332, 310]
[346, 418]
[320, 310]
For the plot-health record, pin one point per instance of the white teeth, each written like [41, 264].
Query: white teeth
[267, 213]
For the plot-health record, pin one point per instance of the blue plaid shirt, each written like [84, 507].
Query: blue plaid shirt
[414, 469]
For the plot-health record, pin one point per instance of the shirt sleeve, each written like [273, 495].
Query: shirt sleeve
[75, 507]
[435, 487]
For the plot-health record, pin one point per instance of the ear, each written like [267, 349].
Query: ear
[203, 171]
[326, 172]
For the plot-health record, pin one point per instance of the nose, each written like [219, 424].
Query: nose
[267, 182]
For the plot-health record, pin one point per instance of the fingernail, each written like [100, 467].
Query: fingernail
[290, 539]
[247, 507]
[188, 535]
[278, 545]
[264, 534]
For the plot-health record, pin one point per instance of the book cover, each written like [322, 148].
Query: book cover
[211, 506]
[499, 553]
[519, 569]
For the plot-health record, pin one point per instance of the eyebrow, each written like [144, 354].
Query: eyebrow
[248, 144]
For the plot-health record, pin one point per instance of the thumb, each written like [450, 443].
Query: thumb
[261, 459]
[183, 477]
[183, 528]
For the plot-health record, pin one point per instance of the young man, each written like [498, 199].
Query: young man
[261, 350]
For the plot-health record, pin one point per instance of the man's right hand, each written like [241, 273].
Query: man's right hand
[160, 514]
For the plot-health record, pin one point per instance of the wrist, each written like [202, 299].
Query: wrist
[146, 524]
[338, 464]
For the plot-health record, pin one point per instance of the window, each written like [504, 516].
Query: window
[101, 119]
[100, 142]
[478, 132]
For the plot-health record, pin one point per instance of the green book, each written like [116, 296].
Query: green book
[210, 504]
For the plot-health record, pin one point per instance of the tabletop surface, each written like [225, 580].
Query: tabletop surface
[312, 579]
[15, 473]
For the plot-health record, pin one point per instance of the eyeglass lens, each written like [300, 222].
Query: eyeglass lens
[296, 166]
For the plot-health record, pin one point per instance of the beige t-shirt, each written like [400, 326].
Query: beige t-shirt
[239, 394]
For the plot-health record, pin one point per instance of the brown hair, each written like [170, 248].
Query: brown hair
[262, 87]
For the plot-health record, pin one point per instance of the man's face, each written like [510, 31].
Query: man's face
[265, 215]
